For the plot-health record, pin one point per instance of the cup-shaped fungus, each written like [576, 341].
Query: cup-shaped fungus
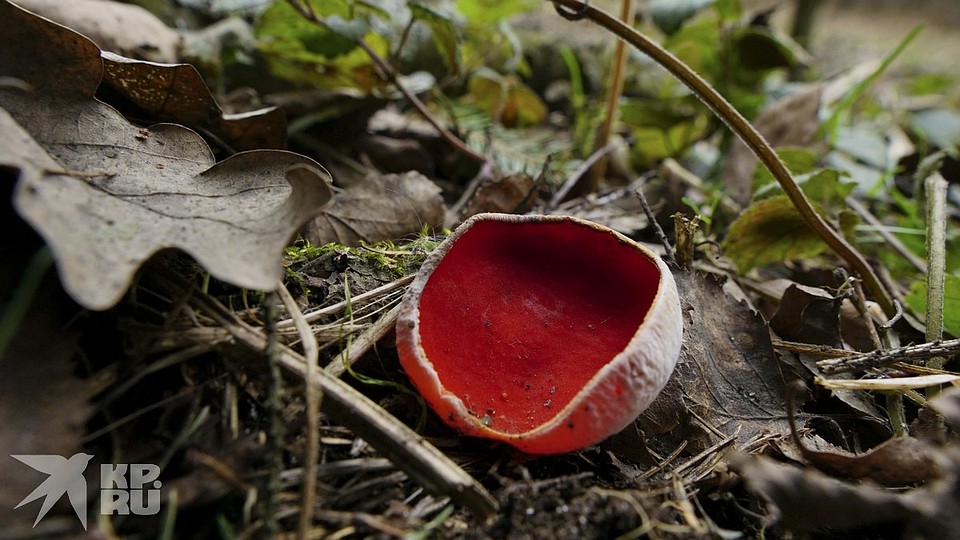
[549, 333]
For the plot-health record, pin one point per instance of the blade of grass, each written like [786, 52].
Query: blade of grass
[832, 125]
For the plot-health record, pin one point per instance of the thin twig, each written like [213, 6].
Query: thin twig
[364, 342]
[671, 254]
[748, 134]
[909, 353]
[270, 347]
[312, 396]
[583, 169]
[340, 306]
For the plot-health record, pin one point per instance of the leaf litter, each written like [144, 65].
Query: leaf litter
[715, 456]
[107, 194]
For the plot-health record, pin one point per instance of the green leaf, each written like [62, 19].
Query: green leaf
[445, 32]
[284, 33]
[797, 160]
[831, 125]
[669, 15]
[770, 231]
[757, 49]
[917, 300]
[505, 98]
[490, 12]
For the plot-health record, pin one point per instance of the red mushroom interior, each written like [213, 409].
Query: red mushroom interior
[519, 316]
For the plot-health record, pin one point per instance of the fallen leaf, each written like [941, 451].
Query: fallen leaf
[379, 208]
[176, 93]
[806, 499]
[106, 195]
[114, 26]
[899, 461]
[502, 194]
[808, 315]
[728, 374]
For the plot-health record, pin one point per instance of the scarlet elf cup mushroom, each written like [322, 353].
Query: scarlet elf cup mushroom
[549, 333]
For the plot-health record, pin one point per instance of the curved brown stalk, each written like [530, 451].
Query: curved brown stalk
[746, 132]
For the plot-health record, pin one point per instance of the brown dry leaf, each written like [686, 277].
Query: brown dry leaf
[113, 26]
[899, 461]
[177, 93]
[806, 499]
[728, 374]
[379, 208]
[106, 195]
[808, 315]
[790, 121]
[502, 194]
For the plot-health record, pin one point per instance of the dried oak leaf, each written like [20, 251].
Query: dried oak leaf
[898, 461]
[381, 207]
[177, 93]
[114, 26]
[106, 195]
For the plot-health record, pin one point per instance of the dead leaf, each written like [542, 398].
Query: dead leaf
[728, 374]
[106, 195]
[379, 208]
[789, 121]
[176, 93]
[114, 26]
[806, 499]
[502, 194]
[808, 315]
[899, 461]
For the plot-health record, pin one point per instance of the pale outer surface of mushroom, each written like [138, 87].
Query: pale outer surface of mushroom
[622, 389]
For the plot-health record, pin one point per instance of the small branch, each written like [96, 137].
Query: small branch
[910, 353]
[270, 347]
[747, 133]
[647, 211]
[583, 169]
[388, 74]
